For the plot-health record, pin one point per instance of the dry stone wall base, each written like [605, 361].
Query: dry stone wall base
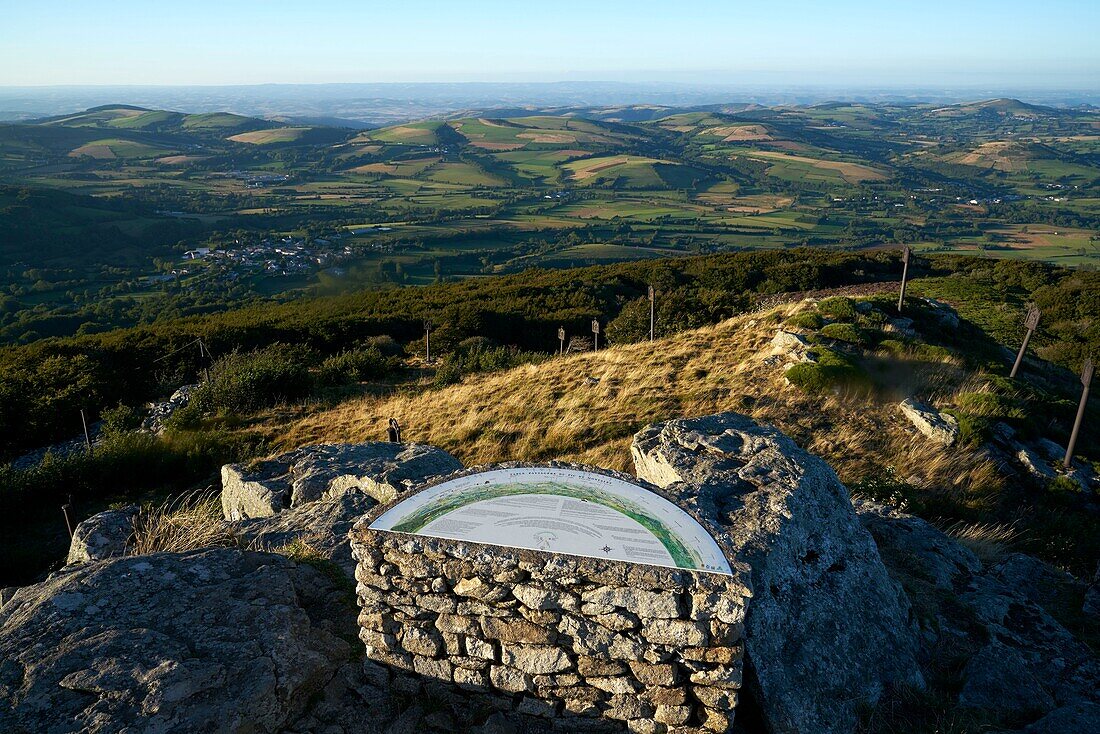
[826, 628]
[587, 642]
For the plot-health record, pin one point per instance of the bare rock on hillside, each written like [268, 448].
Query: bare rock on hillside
[827, 629]
[902, 326]
[940, 427]
[1091, 604]
[321, 526]
[216, 640]
[944, 315]
[996, 621]
[103, 535]
[1077, 717]
[159, 413]
[379, 469]
[916, 547]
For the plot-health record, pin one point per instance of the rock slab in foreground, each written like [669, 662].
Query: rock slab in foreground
[826, 628]
[994, 624]
[939, 427]
[379, 469]
[216, 640]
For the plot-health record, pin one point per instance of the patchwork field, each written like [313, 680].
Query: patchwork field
[270, 137]
[112, 148]
[797, 167]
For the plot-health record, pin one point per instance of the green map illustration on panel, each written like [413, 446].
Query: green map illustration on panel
[559, 510]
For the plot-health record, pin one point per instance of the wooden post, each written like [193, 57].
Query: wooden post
[87, 436]
[1031, 322]
[561, 338]
[905, 253]
[65, 509]
[205, 358]
[651, 315]
[596, 335]
[1086, 380]
[427, 342]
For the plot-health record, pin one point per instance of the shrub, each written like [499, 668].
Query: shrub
[806, 320]
[246, 382]
[123, 462]
[357, 365]
[889, 489]
[831, 371]
[1063, 484]
[990, 405]
[121, 418]
[974, 430]
[839, 308]
[842, 333]
[478, 357]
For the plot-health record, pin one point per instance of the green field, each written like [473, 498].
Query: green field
[479, 195]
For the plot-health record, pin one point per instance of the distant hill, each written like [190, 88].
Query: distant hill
[46, 228]
[126, 132]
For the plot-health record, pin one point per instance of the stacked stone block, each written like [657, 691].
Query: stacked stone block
[581, 641]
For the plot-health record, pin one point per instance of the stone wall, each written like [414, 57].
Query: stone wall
[590, 643]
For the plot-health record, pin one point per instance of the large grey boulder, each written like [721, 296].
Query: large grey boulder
[378, 469]
[211, 641]
[1077, 717]
[1091, 605]
[1041, 649]
[997, 621]
[939, 427]
[913, 546]
[827, 630]
[103, 535]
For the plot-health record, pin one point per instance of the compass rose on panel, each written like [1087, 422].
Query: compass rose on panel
[606, 549]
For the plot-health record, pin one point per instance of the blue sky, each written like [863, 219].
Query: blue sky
[250, 42]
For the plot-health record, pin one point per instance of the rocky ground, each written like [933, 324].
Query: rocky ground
[861, 614]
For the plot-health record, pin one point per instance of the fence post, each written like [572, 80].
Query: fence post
[651, 312]
[1031, 322]
[905, 253]
[87, 436]
[1086, 380]
[65, 509]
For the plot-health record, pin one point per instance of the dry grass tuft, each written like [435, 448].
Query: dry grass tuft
[988, 541]
[300, 549]
[188, 522]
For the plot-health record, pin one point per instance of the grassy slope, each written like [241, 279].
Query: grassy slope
[549, 411]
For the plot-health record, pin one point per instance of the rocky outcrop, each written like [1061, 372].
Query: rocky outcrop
[322, 526]
[217, 640]
[380, 470]
[103, 535]
[1091, 605]
[827, 630]
[787, 347]
[939, 427]
[159, 413]
[945, 316]
[996, 622]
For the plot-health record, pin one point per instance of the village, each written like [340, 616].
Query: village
[271, 256]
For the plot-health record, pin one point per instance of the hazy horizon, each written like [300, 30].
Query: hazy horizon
[848, 42]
